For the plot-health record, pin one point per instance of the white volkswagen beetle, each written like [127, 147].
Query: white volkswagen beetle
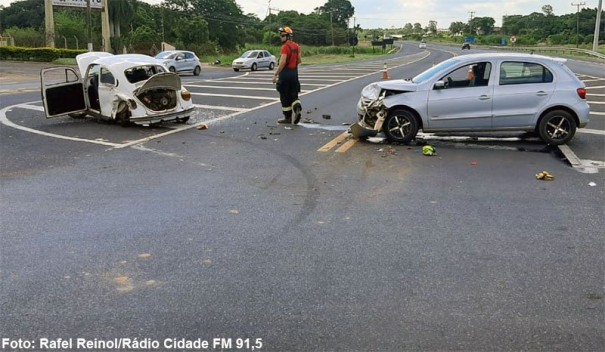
[128, 88]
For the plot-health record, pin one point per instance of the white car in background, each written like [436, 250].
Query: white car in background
[128, 88]
[253, 60]
[478, 93]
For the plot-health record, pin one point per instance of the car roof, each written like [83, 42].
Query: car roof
[129, 59]
[117, 63]
[511, 56]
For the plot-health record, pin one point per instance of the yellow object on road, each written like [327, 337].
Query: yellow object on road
[545, 176]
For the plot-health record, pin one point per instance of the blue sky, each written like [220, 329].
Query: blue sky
[396, 13]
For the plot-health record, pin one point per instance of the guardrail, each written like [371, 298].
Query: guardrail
[553, 49]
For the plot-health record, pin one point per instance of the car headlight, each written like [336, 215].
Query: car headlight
[370, 92]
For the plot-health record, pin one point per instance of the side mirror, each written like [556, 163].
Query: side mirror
[439, 85]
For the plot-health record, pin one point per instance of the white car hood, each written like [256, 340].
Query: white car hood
[373, 90]
[161, 80]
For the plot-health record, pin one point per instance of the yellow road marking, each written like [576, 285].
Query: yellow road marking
[331, 144]
[348, 144]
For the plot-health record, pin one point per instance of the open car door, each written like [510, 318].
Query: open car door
[62, 91]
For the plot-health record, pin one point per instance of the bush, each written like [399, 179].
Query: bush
[36, 54]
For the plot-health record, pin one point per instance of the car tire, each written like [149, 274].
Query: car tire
[271, 66]
[253, 67]
[236, 69]
[400, 126]
[557, 127]
[197, 70]
[172, 69]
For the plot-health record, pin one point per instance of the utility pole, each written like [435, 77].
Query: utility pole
[49, 23]
[105, 31]
[470, 22]
[578, 21]
[595, 42]
[332, 27]
[89, 20]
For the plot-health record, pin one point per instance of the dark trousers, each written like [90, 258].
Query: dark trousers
[288, 87]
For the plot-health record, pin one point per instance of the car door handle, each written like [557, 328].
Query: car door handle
[541, 93]
[484, 97]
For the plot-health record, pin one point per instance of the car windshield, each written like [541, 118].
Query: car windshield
[142, 73]
[249, 54]
[431, 72]
[164, 55]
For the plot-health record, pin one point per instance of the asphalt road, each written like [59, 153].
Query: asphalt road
[267, 238]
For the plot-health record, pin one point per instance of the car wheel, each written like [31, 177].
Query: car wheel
[253, 67]
[196, 71]
[236, 69]
[401, 126]
[172, 69]
[271, 66]
[77, 115]
[123, 115]
[557, 127]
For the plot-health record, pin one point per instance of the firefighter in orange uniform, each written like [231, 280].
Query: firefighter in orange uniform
[286, 77]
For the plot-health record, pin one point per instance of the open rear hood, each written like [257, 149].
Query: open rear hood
[161, 80]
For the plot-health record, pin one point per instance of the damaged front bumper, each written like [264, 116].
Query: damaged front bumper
[371, 116]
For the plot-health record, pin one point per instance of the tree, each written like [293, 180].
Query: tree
[338, 11]
[68, 26]
[120, 11]
[417, 28]
[485, 25]
[547, 9]
[457, 28]
[192, 31]
[432, 27]
[225, 19]
[143, 39]
[24, 14]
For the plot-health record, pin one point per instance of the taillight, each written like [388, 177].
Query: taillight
[185, 94]
[581, 93]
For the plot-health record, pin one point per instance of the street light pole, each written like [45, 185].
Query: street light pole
[578, 22]
[595, 42]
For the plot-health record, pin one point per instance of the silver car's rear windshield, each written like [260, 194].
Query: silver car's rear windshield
[431, 72]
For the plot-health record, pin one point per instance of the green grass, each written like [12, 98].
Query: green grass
[65, 61]
[311, 55]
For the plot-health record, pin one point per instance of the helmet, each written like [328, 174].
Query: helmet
[285, 30]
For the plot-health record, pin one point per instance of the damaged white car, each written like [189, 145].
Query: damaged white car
[129, 88]
[478, 93]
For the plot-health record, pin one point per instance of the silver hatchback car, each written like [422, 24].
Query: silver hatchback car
[476, 93]
[180, 61]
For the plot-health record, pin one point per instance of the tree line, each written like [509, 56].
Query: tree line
[213, 27]
[207, 27]
[536, 28]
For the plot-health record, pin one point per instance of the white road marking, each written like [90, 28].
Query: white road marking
[5, 121]
[215, 107]
[590, 131]
[236, 96]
